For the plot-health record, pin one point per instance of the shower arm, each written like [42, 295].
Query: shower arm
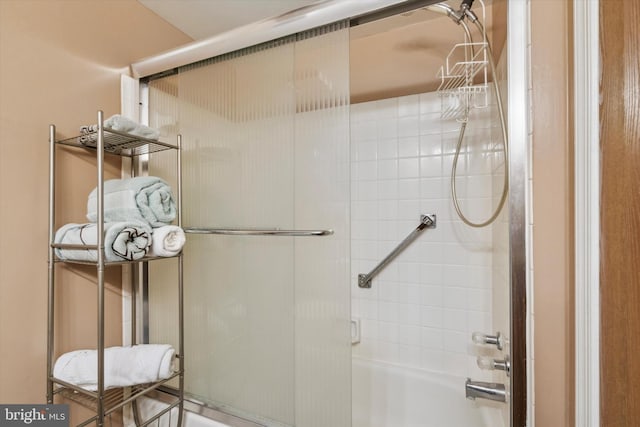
[457, 17]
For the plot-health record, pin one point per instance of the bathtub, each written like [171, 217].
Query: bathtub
[390, 396]
[383, 395]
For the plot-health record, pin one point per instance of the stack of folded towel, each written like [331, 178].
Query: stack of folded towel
[123, 366]
[137, 215]
[89, 137]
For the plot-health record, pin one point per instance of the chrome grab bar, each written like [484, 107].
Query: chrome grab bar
[426, 221]
[257, 232]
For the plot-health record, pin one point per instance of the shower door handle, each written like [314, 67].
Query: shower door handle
[257, 232]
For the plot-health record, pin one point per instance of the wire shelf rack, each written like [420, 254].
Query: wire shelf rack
[118, 143]
[113, 399]
[463, 83]
[464, 77]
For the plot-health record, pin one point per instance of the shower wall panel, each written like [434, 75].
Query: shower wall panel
[424, 306]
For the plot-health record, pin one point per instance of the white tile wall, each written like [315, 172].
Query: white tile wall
[423, 307]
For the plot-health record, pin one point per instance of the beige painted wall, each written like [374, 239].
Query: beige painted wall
[402, 54]
[60, 60]
[551, 52]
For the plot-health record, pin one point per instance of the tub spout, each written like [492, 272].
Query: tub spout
[483, 390]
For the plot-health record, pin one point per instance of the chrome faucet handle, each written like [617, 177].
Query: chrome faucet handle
[491, 364]
[483, 339]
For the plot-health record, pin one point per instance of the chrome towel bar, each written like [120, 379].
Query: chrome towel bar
[257, 232]
[426, 221]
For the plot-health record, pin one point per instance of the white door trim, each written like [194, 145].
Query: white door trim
[129, 107]
[587, 212]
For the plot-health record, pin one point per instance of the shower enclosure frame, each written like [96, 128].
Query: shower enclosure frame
[134, 95]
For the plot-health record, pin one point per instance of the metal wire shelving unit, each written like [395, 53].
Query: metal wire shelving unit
[107, 402]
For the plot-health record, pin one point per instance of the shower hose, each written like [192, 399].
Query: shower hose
[505, 146]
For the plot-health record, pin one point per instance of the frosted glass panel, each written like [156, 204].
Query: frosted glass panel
[265, 145]
[322, 197]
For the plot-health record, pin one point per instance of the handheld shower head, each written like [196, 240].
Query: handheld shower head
[456, 16]
[445, 9]
[466, 4]
[465, 10]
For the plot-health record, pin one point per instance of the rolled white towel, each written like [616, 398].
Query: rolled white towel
[123, 241]
[123, 366]
[91, 140]
[88, 129]
[167, 241]
[88, 139]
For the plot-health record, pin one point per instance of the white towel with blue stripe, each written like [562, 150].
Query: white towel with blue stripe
[123, 366]
[123, 241]
[145, 199]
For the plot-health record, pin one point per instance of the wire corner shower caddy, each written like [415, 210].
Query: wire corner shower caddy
[464, 76]
[107, 402]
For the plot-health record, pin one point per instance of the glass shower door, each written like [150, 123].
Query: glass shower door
[265, 147]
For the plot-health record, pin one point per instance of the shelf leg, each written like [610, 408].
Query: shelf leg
[181, 340]
[100, 221]
[51, 259]
[180, 288]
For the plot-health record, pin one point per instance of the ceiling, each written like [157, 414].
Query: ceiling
[395, 56]
[200, 19]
